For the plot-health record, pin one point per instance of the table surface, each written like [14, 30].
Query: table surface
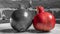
[6, 28]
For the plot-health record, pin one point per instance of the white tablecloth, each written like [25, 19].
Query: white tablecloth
[6, 28]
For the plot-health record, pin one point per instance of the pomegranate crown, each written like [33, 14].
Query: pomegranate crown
[40, 9]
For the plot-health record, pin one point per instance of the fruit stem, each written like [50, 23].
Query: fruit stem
[40, 9]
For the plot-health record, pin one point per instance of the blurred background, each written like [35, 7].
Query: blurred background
[52, 6]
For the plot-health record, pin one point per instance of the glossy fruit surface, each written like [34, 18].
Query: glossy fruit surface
[43, 21]
[22, 19]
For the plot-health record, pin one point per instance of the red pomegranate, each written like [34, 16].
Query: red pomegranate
[43, 21]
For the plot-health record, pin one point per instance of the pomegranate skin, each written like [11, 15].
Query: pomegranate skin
[44, 21]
